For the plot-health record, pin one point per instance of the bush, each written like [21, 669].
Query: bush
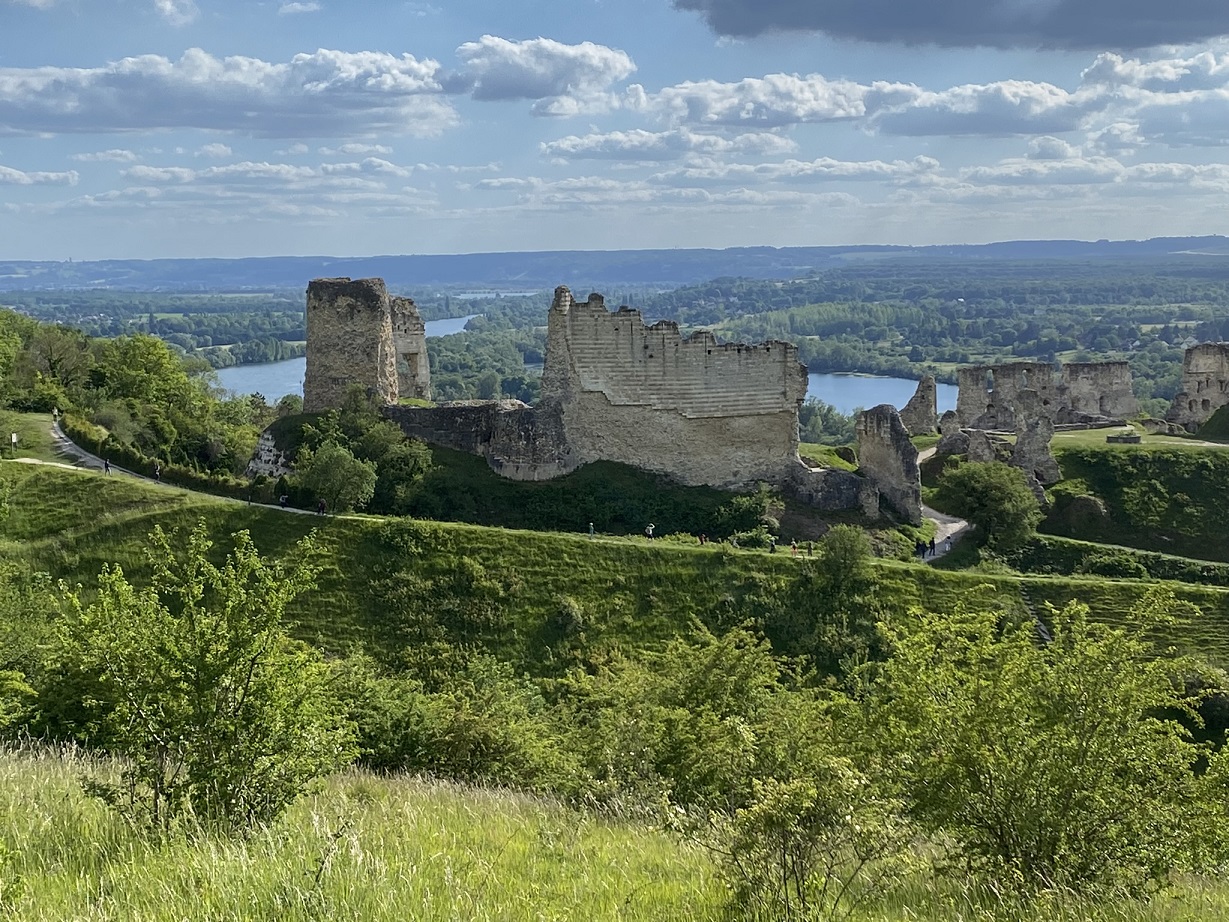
[996, 498]
[215, 709]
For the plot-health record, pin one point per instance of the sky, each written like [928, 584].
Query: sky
[228, 128]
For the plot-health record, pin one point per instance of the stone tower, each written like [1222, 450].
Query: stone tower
[349, 341]
[410, 346]
[1205, 385]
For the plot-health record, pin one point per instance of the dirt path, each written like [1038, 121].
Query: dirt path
[948, 529]
[77, 458]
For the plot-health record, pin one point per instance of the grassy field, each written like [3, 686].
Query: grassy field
[366, 848]
[378, 575]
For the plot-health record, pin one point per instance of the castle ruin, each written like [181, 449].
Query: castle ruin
[1205, 385]
[356, 334]
[1001, 397]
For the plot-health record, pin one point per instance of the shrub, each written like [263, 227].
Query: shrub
[216, 710]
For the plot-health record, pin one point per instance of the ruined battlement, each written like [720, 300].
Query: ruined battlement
[1205, 385]
[723, 414]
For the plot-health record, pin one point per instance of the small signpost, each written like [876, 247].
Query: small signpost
[14, 444]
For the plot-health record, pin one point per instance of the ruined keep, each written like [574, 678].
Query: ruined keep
[1205, 385]
[999, 397]
[349, 341]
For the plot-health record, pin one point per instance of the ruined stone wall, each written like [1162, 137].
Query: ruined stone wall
[921, 414]
[410, 348]
[349, 341]
[1004, 397]
[1099, 389]
[889, 460]
[703, 412]
[1205, 385]
[518, 441]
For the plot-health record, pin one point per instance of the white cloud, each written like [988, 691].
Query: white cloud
[37, 4]
[177, 12]
[214, 150]
[1076, 170]
[1003, 108]
[12, 177]
[563, 79]
[289, 9]
[800, 171]
[650, 146]
[774, 100]
[115, 155]
[1050, 148]
[324, 93]
[349, 150]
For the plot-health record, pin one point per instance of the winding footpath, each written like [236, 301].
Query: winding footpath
[946, 526]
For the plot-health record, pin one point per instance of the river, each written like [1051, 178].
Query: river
[845, 392]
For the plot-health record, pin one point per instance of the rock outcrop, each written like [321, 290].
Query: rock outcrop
[1032, 452]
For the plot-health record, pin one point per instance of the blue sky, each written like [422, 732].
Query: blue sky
[154, 128]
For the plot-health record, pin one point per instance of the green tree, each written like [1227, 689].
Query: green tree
[333, 474]
[1045, 764]
[996, 498]
[215, 709]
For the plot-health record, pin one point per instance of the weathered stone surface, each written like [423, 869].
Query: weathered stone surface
[889, 460]
[267, 459]
[949, 423]
[955, 443]
[831, 490]
[1155, 426]
[518, 441]
[846, 454]
[722, 414]
[981, 449]
[999, 397]
[349, 341]
[1205, 385]
[921, 414]
[410, 348]
[1032, 452]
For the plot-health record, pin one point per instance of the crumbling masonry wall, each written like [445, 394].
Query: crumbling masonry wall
[1205, 385]
[1004, 397]
[410, 349]
[889, 459]
[722, 414]
[349, 341]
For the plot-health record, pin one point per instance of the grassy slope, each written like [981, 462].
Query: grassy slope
[374, 849]
[362, 848]
[1158, 496]
[375, 574]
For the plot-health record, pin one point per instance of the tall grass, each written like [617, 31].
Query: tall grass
[361, 848]
[372, 848]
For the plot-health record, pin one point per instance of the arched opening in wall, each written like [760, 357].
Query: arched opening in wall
[1104, 406]
[1207, 404]
[1024, 379]
[1191, 406]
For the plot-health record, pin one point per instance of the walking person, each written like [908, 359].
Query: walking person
[320, 507]
[106, 467]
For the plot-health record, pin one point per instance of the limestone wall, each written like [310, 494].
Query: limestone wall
[703, 412]
[921, 414]
[1003, 397]
[889, 460]
[410, 348]
[1205, 385]
[349, 341]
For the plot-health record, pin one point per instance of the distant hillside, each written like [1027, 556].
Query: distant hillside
[550, 268]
